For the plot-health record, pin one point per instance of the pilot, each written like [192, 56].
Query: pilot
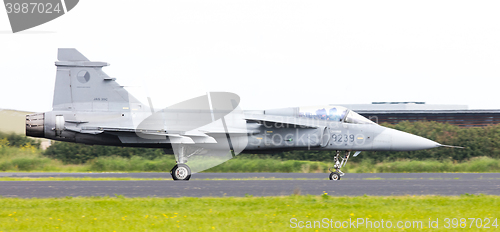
[333, 114]
[321, 113]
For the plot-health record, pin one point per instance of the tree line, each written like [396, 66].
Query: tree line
[478, 141]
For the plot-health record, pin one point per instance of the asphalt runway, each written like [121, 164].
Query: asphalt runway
[209, 184]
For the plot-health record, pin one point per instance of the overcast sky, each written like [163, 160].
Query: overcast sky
[273, 54]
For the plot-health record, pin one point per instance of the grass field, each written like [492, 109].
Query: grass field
[248, 213]
[30, 159]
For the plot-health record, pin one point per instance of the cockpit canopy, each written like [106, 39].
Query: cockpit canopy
[333, 113]
[353, 117]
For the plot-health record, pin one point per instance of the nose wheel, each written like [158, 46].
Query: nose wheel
[334, 176]
[337, 174]
[181, 172]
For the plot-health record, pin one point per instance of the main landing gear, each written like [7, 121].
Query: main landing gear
[181, 170]
[335, 175]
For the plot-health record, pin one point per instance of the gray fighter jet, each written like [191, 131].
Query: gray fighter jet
[92, 108]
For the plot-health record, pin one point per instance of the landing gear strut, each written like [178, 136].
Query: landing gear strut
[335, 175]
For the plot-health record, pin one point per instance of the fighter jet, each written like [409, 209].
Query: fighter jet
[90, 107]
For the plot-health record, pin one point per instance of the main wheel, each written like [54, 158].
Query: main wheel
[334, 176]
[181, 172]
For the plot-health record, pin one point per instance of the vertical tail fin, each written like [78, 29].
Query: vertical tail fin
[81, 85]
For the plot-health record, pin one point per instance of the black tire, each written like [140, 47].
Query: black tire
[334, 176]
[181, 172]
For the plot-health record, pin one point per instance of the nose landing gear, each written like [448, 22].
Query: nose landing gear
[339, 163]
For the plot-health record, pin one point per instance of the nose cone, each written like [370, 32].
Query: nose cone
[402, 141]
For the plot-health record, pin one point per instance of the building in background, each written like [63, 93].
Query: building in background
[395, 112]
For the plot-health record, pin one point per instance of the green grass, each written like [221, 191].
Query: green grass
[479, 164]
[134, 164]
[241, 164]
[236, 213]
[29, 159]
